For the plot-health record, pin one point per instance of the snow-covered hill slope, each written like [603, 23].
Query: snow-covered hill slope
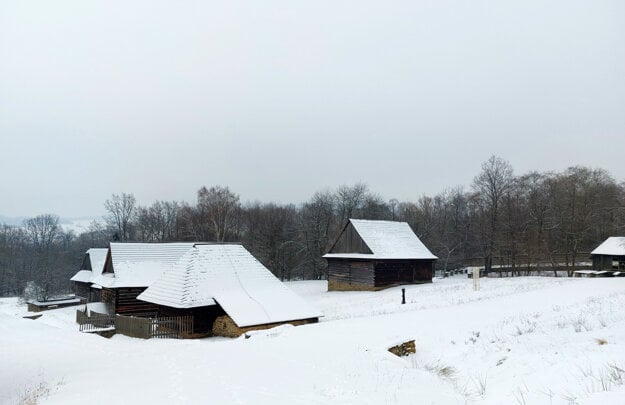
[516, 341]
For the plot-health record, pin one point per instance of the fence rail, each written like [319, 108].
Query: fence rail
[93, 321]
[174, 327]
[170, 327]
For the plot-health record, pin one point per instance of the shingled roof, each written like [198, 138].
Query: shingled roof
[613, 246]
[140, 264]
[97, 259]
[386, 240]
[228, 275]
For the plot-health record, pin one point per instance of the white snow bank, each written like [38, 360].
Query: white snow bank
[518, 340]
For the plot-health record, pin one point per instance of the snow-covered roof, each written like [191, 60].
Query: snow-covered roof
[133, 274]
[229, 275]
[54, 302]
[613, 246]
[585, 271]
[83, 276]
[168, 253]
[140, 264]
[97, 257]
[386, 240]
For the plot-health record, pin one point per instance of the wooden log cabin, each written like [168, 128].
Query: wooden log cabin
[227, 292]
[130, 268]
[372, 255]
[91, 268]
[609, 255]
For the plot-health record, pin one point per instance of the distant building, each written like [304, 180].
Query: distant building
[91, 268]
[610, 255]
[227, 292]
[372, 255]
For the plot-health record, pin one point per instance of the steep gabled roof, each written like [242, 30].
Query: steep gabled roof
[386, 240]
[140, 264]
[83, 276]
[97, 259]
[227, 274]
[613, 246]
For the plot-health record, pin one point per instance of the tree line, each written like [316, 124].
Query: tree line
[503, 219]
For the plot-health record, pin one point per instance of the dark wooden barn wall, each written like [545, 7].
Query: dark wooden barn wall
[108, 296]
[350, 242]
[127, 302]
[108, 263]
[96, 295]
[86, 263]
[82, 290]
[604, 262]
[349, 274]
[124, 300]
[392, 272]
[203, 317]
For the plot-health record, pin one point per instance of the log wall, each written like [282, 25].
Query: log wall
[82, 290]
[363, 275]
[203, 317]
[605, 262]
[394, 272]
[346, 275]
[127, 302]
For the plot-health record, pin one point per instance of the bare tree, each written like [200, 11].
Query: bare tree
[44, 232]
[218, 208]
[491, 185]
[13, 254]
[349, 201]
[120, 210]
[318, 226]
[157, 223]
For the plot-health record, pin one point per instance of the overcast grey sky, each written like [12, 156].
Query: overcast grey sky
[278, 99]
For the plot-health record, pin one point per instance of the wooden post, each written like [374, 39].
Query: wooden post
[403, 295]
[476, 278]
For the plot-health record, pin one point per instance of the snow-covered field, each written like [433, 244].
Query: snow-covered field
[516, 341]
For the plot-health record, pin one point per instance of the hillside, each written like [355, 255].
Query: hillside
[516, 341]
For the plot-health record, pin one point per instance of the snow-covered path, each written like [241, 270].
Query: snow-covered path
[518, 340]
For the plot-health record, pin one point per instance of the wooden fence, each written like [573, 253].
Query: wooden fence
[94, 321]
[174, 327]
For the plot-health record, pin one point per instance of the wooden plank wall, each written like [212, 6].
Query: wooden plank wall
[82, 290]
[127, 302]
[95, 294]
[349, 242]
[347, 273]
[391, 272]
[108, 296]
[203, 317]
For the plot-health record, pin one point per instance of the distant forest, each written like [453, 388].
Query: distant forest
[502, 219]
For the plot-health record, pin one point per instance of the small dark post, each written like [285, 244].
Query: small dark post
[403, 295]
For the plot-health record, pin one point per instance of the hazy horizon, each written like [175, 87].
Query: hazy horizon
[279, 100]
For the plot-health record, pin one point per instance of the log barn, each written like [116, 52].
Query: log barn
[91, 268]
[227, 292]
[130, 268]
[372, 255]
[609, 255]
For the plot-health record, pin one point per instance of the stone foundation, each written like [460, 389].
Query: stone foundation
[225, 326]
[334, 285]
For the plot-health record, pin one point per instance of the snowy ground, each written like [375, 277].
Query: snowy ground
[516, 341]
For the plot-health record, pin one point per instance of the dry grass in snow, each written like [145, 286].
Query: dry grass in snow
[516, 341]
